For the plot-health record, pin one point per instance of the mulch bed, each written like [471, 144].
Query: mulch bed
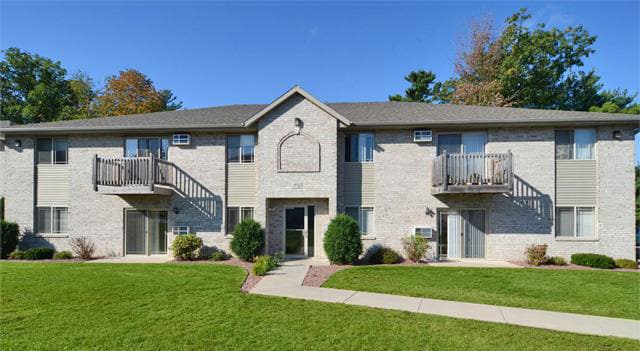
[249, 283]
[317, 275]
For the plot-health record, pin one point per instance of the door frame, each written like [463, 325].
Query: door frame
[146, 229]
[459, 210]
[305, 231]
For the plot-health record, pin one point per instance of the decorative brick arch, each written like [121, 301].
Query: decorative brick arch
[298, 152]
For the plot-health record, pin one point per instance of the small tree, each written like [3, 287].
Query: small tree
[342, 241]
[248, 240]
[186, 247]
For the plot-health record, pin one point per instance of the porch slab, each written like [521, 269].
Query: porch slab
[133, 259]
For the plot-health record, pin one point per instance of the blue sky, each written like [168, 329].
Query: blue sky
[211, 53]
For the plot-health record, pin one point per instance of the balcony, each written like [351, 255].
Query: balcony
[133, 176]
[472, 173]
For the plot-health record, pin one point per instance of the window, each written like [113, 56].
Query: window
[358, 147]
[575, 222]
[180, 229]
[52, 220]
[52, 150]
[365, 218]
[240, 148]
[577, 144]
[146, 147]
[422, 135]
[425, 232]
[181, 139]
[237, 214]
[462, 143]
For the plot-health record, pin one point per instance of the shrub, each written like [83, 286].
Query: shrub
[263, 265]
[63, 255]
[9, 232]
[16, 255]
[415, 247]
[342, 241]
[186, 247]
[218, 256]
[556, 261]
[593, 260]
[39, 253]
[626, 263]
[83, 247]
[248, 240]
[384, 255]
[536, 254]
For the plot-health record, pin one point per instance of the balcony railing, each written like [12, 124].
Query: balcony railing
[132, 175]
[472, 173]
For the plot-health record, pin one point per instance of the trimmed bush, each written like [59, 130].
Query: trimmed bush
[556, 261]
[384, 255]
[83, 247]
[264, 264]
[536, 254]
[593, 260]
[16, 255]
[626, 263]
[218, 256]
[63, 255]
[186, 247]
[342, 241]
[248, 240]
[39, 253]
[415, 247]
[9, 233]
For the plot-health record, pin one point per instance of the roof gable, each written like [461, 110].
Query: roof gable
[296, 90]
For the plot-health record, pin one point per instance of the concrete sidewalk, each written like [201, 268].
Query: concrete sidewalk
[286, 281]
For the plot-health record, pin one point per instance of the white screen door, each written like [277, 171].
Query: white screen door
[454, 235]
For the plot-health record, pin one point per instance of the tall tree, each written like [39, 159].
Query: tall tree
[420, 89]
[132, 92]
[33, 88]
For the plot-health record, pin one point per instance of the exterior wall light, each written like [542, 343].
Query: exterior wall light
[298, 122]
[17, 143]
[176, 210]
[617, 135]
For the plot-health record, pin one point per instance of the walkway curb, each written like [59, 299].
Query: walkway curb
[286, 281]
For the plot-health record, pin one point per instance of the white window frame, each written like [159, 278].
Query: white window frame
[137, 139]
[52, 210]
[53, 151]
[416, 229]
[371, 232]
[594, 235]
[241, 157]
[180, 229]
[422, 136]
[574, 148]
[241, 216]
[361, 147]
[181, 139]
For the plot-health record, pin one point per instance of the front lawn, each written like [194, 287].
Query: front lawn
[182, 307]
[603, 293]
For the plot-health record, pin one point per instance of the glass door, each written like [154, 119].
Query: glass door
[135, 232]
[463, 234]
[295, 231]
[145, 232]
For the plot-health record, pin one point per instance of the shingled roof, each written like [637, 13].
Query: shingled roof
[361, 114]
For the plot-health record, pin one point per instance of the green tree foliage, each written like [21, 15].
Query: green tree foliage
[37, 89]
[522, 66]
[637, 195]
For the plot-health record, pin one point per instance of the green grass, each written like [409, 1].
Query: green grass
[602, 293]
[181, 307]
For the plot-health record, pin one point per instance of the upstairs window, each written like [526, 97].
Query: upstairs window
[146, 147]
[358, 147]
[240, 148]
[576, 144]
[52, 151]
[462, 143]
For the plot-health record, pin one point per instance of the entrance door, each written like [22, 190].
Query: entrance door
[463, 234]
[145, 232]
[295, 231]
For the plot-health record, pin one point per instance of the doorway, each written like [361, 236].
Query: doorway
[299, 231]
[462, 234]
[145, 232]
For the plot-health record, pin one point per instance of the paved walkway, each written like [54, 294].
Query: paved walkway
[286, 281]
